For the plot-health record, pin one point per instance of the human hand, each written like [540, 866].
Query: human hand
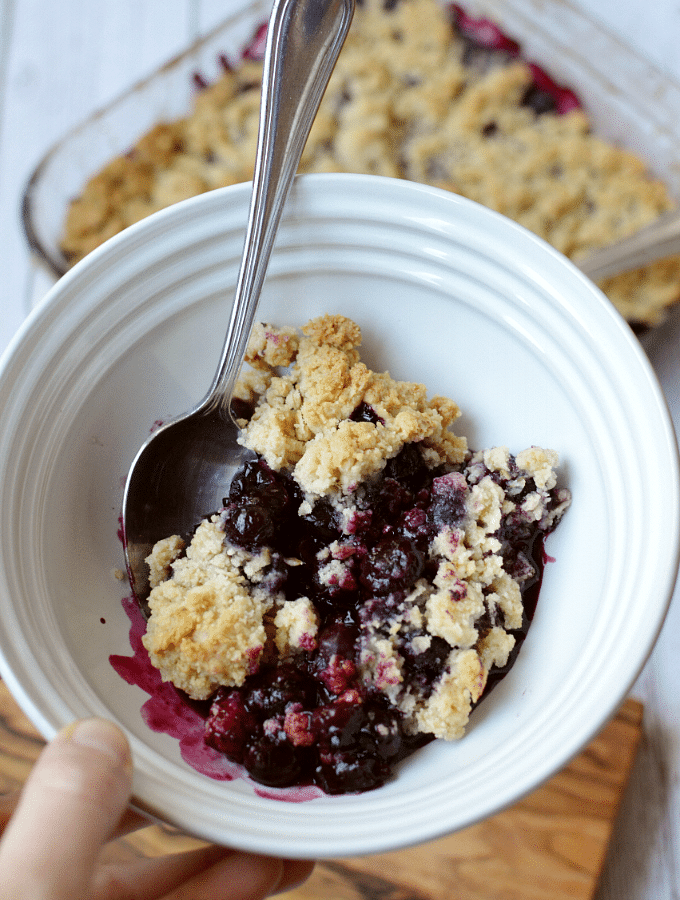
[75, 801]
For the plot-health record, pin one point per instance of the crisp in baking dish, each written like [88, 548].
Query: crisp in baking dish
[423, 103]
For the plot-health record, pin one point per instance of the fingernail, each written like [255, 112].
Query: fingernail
[101, 735]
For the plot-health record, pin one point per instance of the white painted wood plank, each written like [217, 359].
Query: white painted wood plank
[62, 62]
[212, 12]
[653, 28]
[644, 859]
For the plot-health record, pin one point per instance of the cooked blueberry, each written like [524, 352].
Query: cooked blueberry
[425, 666]
[256, 480]
[332, 595]
[273, 688]
[388, 497]
[230, 725]
[448, 501]
[366, 413]
[250, 526]
[408, 468]
[381, 732]
[348, 757]
[337, 639]
[416, 526]
[334, 663]
[516, 530]
[321, 524]
[337, 726]
[343, 772]
[538, 100]
[394, 563]
[259, 508]
[273, 760]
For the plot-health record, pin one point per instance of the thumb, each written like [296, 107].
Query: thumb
[72, 801]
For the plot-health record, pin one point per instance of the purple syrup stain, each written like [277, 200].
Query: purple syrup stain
[291, 795]
[168, 712]
[488, 35]
[200, 81]
[565, 99]
[255, 49]
[121, 531]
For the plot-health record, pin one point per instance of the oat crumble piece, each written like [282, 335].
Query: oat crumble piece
[304, 421]
[206, 623]
[165, 552]
[297, 625]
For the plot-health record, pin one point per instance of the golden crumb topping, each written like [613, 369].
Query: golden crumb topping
[303, 420]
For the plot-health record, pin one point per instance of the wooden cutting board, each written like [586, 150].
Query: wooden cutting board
[550, 846]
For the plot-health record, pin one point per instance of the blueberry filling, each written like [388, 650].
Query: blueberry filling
[315, 720]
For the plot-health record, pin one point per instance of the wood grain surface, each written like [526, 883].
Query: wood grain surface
[549, 846]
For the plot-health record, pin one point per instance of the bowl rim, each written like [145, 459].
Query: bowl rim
[309, 186]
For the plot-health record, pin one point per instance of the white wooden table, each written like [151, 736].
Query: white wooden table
[59, 61]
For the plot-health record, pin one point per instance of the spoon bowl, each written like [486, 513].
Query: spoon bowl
[182, 472]
[180, 475]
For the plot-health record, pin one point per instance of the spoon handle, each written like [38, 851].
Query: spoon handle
[655, 241]
[303, 43]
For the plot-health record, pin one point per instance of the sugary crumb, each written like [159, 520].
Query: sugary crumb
[445, 714]
[297, 625]
[164, 554]
[302, 422]
[206, 625]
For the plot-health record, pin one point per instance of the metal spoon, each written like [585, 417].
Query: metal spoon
[656, 241]
[182, 472]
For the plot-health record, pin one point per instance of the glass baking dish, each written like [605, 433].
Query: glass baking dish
[629, 101]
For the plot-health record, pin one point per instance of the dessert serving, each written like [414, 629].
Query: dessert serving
[479, 311]
[368, 578]
[425, 92]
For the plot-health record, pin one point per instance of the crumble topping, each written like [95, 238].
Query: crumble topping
[304, 422]
[297, 625]
[412, 96]
[384, 576]
[165, 553]
[206, 623]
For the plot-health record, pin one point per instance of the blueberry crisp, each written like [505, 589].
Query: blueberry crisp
[368, 576]
[423, 91]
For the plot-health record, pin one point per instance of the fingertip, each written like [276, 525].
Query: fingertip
[80, 787]
[295, 872]
[103, 737]
[255, 875]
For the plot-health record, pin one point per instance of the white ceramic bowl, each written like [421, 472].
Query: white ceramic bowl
[446, 293]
